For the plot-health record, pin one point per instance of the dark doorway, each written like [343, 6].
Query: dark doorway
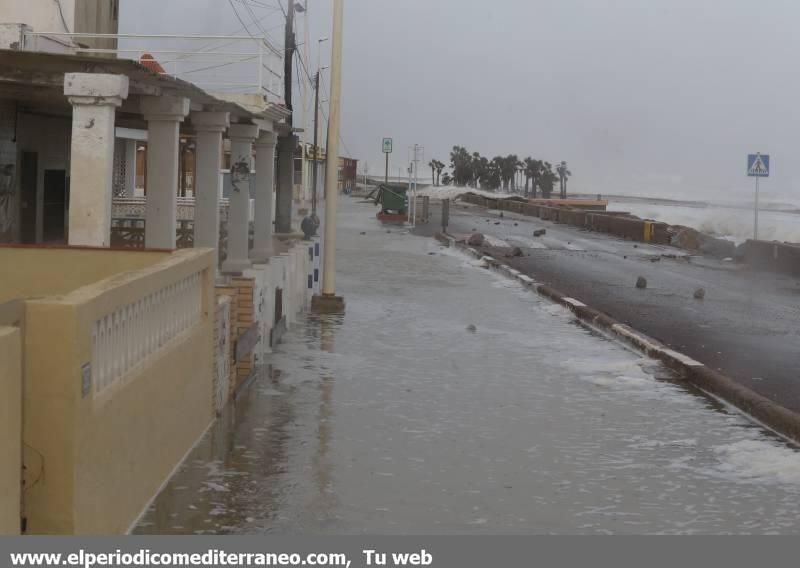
[27, 181]
[55, 206]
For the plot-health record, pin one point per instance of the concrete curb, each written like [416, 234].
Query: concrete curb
[770, 414]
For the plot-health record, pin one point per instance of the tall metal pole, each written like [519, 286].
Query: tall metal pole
[386, 177]
[316, 151]
[332, 162]
[755, 227]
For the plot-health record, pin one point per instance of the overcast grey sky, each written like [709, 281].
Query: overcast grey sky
[659, 97]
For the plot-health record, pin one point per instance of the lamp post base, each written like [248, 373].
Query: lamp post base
[327, 304]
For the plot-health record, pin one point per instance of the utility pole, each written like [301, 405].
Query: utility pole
[288, 142]
[320, 67]
[316, 151]
[328, 301]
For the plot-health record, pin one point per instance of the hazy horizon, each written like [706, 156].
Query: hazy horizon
[650, 98]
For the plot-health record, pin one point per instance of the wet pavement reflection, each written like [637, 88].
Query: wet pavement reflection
[399, 418]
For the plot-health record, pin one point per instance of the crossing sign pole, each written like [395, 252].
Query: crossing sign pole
[757, 167]
[387, 149]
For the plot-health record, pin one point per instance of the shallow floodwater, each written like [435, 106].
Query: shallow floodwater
[396, 418]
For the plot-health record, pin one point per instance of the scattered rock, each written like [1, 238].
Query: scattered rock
[516, 224]
[625, 257]
[655, 259]
[388, 230]
[641, 282]
[475, 239]
[515, 251]
[363, 232]
[700, 293]
[635, 246]
[539, 232]
[471, 328]
[497, 222]
[431, 253]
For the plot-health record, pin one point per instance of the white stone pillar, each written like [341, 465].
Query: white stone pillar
[163, 115]
[94, 98]
[130, 168]
[209, 127]
[242, 137]
[265, 176]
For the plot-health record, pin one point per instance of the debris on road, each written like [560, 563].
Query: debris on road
[471, 328]
[539, 232]
[515, 251]
[475, 239]
[700, 293]
[641, 282]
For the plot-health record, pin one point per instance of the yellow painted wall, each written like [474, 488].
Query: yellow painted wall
[10, 429]
[106, 455]
[30, 272]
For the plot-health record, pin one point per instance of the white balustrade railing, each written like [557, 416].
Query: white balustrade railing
[231, 64]
[125, 338]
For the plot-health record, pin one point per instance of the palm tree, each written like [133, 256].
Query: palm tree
[439, 168]
[547, 179]
[460, 162]
[493, 176]
[531, 171]
[432, 166]
[478, 166]
[507, 169]
[563, 175]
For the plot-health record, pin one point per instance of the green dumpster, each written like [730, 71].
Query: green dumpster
[392, 199]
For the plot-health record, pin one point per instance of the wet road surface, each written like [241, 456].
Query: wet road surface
[397, 419]
[748, 325]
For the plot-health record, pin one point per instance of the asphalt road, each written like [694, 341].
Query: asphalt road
[748, 325]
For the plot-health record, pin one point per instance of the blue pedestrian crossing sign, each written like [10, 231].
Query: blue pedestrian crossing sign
[758, 165]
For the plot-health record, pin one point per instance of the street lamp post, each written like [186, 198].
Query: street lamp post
[328, 301]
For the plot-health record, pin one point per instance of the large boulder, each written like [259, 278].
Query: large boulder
[475, 239]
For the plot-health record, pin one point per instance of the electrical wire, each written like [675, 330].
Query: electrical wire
[341, 139]
[238, 17]
[61, 13]
[219, 65]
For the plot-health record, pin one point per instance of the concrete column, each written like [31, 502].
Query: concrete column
[283, 201]
[209, 127]
[164, 115]
[265, 176]
[94, 98]
[130, 168]
[242, 137]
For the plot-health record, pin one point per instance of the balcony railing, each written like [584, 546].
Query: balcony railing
[215, 63]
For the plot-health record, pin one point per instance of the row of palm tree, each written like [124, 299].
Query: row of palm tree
[436, 170]
[502, 172]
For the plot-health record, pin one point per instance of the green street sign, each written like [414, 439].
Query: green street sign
[387, 145]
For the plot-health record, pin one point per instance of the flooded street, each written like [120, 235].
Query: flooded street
[398, 418]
